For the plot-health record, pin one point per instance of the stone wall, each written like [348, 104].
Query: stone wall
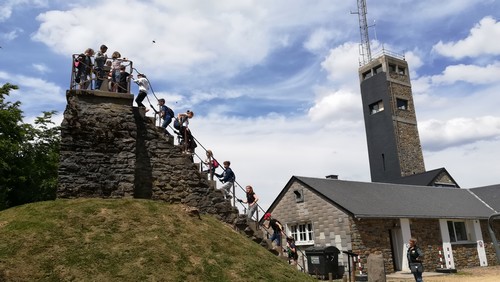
[488, 243]
[411, 157]
[109, 150]
[372, 236]
[330, 224]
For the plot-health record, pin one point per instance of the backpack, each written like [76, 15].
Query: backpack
[177, 124]
[215, 164]
[170, 112]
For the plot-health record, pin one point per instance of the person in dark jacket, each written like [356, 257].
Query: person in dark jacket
[277, 230]
[415, 257]
[84, 68]
[228, 178]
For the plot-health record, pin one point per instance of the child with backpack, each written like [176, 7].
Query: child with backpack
[166, 114]
[211, 163]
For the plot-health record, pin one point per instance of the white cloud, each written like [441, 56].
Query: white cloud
[188, 42]
[482, 40]
[342, 64]
[440, 134]
[265, 152]
[8, 6]
[335, 106]
[469, 73]
[319, 39]
[41, 68]
[34, 93]
[11, 35]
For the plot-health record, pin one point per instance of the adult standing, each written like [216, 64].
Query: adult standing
[84, 66]
[100, 61]
[415, 257]
[251, 201]
[228, 179]
[277, 230]
[143, 89]
[183, 119]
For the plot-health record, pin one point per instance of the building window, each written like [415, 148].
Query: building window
[376, 107]
[299, 196]
[367, 74]
[401, 70]
[457, 231]
[302, 233]
[392, 68]
[377, 69]
[447, 185]
[402, 104]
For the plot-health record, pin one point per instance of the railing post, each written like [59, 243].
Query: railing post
[234, 196]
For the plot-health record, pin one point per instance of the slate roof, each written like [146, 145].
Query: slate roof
[490, 195]
[385, 200]
[427, 178]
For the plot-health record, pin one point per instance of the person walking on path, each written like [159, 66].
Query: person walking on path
[251, 201]
[228, 179]
[415, 257]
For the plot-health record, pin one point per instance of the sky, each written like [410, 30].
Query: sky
[274, 84]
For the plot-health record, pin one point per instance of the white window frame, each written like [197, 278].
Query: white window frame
[454, 239]
[303, 233]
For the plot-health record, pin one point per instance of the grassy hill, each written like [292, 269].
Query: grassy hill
[128, 240]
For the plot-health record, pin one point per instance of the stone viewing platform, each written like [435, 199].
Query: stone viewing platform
[109, 149]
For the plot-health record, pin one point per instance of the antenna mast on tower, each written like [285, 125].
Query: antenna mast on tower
[365, 51]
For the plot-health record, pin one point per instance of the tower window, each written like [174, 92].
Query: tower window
[299, 196]
[367, 74]
[377, 69]
[401, 70]
[402, 104]
[376, 107]
[392, 68]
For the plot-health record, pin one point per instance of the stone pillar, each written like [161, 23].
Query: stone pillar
[375, 268]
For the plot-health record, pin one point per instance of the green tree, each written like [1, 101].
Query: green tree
[29, 155]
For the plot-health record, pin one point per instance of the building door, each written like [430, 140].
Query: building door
[397, 248]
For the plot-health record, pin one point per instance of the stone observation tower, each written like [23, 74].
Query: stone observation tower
[394, 147]
[109, 149]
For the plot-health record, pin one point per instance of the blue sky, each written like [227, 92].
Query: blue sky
[274, 84]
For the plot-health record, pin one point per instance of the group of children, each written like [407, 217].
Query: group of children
[113, 69]
[228, 178]
[277, 227]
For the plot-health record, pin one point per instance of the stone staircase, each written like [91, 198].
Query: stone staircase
[242, 224]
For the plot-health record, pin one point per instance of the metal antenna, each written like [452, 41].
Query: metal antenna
[365, 50]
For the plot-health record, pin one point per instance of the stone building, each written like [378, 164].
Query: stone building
[379, 218]
[403, 201]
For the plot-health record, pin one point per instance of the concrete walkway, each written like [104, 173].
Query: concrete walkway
[408, 275]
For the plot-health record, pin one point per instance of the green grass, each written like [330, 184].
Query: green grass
[128, 240]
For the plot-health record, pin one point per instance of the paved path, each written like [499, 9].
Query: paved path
[408, 275]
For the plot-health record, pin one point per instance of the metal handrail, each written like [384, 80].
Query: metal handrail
[92, 75]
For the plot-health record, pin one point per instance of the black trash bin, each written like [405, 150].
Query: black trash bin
[323, 260]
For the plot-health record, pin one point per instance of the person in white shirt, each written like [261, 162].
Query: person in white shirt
[143, 89]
